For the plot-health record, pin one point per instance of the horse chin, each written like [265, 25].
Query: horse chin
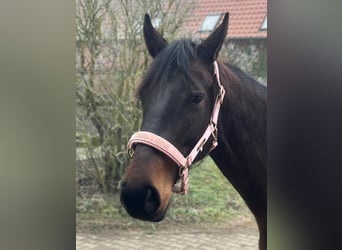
[159, 216]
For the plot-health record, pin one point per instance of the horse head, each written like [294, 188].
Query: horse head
[178, 95]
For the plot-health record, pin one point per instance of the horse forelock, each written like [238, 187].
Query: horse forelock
[179, 57]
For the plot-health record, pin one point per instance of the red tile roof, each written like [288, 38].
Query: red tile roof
[245, 17]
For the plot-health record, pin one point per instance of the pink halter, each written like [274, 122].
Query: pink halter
[171, 151]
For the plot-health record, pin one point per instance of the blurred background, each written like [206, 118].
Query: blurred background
[37, 110]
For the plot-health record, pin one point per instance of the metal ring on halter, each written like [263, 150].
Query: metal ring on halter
[181, 170]
[130, 152]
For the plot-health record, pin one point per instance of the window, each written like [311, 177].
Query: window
[264, 24]
[156, 22]
[210, 22]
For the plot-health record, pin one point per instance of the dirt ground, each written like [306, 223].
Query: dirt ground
[241, 233]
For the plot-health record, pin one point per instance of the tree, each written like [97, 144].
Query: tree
[110, 60]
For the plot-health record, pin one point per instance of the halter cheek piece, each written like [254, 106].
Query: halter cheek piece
[164, 146]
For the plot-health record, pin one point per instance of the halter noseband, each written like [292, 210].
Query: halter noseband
[164, 146]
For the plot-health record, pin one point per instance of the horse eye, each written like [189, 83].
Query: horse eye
[197, 98]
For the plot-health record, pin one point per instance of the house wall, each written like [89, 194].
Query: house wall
[249, 55]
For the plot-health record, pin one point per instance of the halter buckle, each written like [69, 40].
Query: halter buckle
[214, 133]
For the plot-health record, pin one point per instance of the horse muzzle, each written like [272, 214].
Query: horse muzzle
[142, 202]
[146, 187]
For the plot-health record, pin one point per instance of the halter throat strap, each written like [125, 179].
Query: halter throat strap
[167, 148]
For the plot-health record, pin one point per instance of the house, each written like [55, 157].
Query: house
[247, 18]
[247, 31]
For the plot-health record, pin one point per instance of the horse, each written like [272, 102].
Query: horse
[195, 105]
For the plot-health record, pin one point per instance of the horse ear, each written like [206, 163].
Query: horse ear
[208, 50]
[153, 40]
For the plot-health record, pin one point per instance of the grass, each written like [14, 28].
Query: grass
[211, 199]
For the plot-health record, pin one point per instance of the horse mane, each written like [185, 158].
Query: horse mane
[179, 56]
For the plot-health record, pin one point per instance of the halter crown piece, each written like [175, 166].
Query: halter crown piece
[164, 146]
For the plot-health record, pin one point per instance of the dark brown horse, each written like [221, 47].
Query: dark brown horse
[179, 94]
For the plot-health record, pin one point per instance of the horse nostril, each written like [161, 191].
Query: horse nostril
[152, 200]
[140, 202]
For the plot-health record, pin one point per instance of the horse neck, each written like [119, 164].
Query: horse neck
[241, 153]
